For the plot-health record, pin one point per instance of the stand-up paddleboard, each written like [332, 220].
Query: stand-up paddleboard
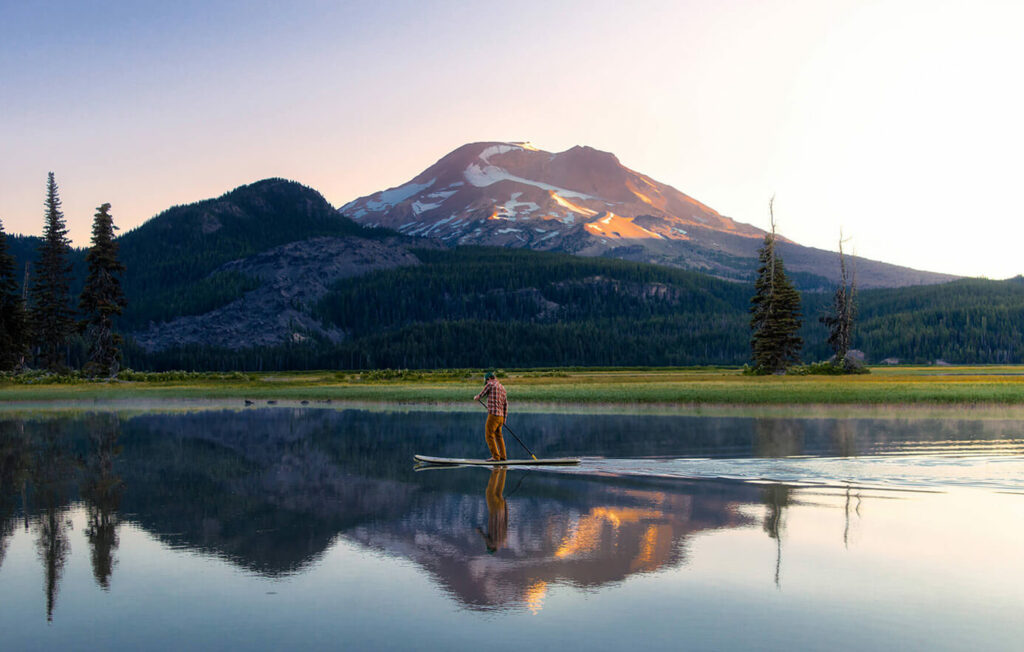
[452, 461]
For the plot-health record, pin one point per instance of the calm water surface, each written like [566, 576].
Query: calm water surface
[308, 528]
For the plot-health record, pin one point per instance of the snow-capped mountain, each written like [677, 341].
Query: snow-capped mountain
[585, 201]
[514, 194]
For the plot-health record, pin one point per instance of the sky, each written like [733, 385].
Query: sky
[900, 122]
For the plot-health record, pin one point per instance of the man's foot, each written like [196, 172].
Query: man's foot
[492, 459]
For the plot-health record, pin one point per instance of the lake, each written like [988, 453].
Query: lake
[308, 527]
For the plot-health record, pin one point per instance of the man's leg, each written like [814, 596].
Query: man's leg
[499, 439]
[489, 435]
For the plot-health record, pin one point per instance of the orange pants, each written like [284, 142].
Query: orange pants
[492, 433]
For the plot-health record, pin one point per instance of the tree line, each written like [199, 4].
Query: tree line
[38, 322]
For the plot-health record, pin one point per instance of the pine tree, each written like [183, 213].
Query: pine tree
[775, 311]
[49, 297]
[840, 319]
[14, 334]
[102, 298]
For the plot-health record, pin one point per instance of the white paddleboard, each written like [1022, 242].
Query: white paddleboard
[426, 459]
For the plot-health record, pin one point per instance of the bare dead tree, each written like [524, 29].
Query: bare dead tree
[843, 312]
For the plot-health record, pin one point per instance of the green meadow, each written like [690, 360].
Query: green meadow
[988, 385]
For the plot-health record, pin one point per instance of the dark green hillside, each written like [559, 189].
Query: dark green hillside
[477, 306]
[966, 321]
[493, 284]
[167, 256]
[473, 307]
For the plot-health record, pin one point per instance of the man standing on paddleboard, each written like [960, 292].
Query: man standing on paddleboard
[497, 410]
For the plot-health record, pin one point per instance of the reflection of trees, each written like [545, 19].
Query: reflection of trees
[779, 437]
[53, 469]
[844, 438]
[101, 489]
[14, 465]
[776, 499]
[856, 509]
[268, 490]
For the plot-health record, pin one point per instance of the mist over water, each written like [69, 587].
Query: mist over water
[302, 527]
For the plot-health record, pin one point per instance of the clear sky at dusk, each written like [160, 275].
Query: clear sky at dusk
[901, 121]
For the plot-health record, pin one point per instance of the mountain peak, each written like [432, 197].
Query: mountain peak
[514, 194]
[587, 150]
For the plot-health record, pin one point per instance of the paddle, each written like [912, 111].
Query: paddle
[513, 434]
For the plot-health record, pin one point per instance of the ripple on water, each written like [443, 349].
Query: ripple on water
[932, 471]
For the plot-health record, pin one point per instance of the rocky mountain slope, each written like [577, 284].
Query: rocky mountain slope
[584, 201]
[291, 279]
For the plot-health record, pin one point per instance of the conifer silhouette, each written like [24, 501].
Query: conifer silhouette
[50, 310]
[102, 298]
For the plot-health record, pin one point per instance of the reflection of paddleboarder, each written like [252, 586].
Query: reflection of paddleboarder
[497, 512]
[497, 410]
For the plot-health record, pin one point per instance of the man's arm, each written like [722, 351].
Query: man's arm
[483, 392]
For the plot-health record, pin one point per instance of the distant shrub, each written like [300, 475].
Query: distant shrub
[377, 375]
[40, 377]
[451, 374]
[829, 368]
[179, 376]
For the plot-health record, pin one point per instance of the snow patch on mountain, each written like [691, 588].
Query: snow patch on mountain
[441, 194]
[571, 207]
[512, 205]
[388, 198]
[488, 175]
[494, 150]
[419, 207]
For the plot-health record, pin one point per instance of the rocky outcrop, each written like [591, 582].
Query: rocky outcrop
[294, 277]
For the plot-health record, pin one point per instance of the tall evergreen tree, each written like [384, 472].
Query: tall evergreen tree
[775, 311]
[49, 297]
[14, 334]
[102, 298]
[839, 320]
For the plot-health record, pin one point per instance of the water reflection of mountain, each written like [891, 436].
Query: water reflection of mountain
[270, 490]
[569, 530]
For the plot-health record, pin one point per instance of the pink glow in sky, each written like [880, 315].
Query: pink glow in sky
[899, 121]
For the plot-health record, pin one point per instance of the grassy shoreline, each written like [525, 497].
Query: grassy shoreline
[924, 386]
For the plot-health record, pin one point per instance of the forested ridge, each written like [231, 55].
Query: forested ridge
[477, 306]
[169, 257]
[965, 321]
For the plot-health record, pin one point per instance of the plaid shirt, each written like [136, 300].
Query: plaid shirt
[497, 403]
